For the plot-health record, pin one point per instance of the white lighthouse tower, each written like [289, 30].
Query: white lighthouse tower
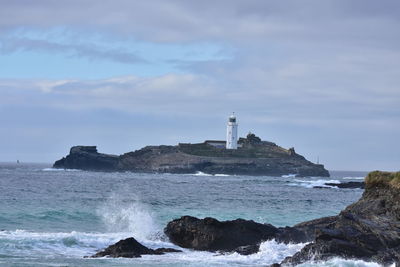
[231, 133]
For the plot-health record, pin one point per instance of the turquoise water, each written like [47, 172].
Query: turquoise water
[56, 217]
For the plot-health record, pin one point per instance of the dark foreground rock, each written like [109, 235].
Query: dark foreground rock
[350, 185]
[368, 229]
[239, 235]
[303, 232]
[212, 235]
[253, 157]
[130, 248]
[248, 250]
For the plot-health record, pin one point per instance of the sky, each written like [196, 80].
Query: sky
[320, 76]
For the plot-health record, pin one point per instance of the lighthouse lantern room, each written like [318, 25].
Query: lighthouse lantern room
[231, 133]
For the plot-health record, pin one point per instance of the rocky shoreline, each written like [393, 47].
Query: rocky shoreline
[253, 157]
[368, 229]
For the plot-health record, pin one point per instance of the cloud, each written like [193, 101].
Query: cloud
[180, 21]
[271, 95]
[171, 92]
[89, 51]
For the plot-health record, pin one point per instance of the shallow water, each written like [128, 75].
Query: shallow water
[56, 217]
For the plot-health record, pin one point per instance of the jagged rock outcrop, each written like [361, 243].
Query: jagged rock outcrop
[212, 235]
[349, 185]
[368, 229]
[239, 235]
[303, 232]
[87, 158]
[130, 248]
[254, 157]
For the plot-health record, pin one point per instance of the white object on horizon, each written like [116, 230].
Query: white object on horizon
[231, 133]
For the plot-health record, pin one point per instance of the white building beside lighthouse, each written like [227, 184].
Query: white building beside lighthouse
[231, 133]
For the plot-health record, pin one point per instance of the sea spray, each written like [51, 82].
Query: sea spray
[131, 216]
[276, 252]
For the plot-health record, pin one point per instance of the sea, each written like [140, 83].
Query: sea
[52, 217]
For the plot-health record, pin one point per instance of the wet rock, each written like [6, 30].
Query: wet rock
[248, 250]
[368, 229]
[360, 185]
[130, 248]
[303, 232]
[166, 250]
[241, 236]
[213, 235]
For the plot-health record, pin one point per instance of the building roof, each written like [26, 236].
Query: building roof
[214, 141]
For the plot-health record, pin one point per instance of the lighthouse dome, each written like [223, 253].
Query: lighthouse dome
[232, 118]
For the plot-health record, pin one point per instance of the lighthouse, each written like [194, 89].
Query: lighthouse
[231, 133]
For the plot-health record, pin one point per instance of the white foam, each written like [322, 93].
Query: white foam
[270, 252]
[21, 243]
[353, 178]
[314, 183]
[59, 170]
[202, 174]
[199, 173]
[78, 244]
[289, 175]
[130, 216]
[341, 263]
[73, 244]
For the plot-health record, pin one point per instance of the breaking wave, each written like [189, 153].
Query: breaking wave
[289, 175]
[14, 244]
[354, 178]
[202, 174]
[313, 183]
[73, 244]
[207, 174]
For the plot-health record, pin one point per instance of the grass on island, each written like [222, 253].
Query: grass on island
[266, 150]
[379, 178]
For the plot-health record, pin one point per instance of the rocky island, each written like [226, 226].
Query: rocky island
[252, 157]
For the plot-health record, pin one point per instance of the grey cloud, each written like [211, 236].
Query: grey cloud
[219, 20]
[198, 94]
[90, 51]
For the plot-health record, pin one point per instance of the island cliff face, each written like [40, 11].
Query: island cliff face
[254, 157]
